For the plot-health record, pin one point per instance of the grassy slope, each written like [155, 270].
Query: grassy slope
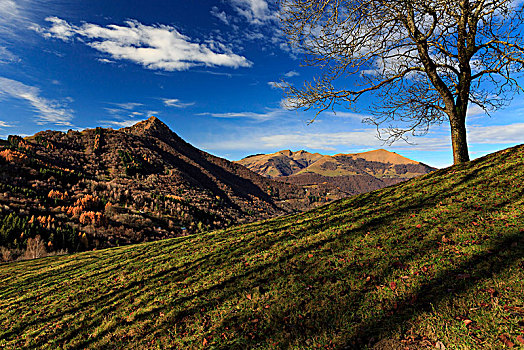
[348, 274]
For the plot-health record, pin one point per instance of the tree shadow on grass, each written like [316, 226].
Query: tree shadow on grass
[446, 284]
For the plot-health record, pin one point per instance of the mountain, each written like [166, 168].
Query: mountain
[103, 187]
[347, 173]
[433, 262]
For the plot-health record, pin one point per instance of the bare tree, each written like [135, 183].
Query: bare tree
[35, 249]
[426, 61]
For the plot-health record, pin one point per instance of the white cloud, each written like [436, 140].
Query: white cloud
[274, 84]
[12, 20]
[474, 110]
[367, 139]
[324, 141]
[9, 10]
[7, 56]
[49, 111]
[119, 123]
[176, 103]
[128, 105]
[8, 7]
[290, 103]
[5, 124]
[255, 11]
[105, 60]
[496, 134]
[292, 74]
[158, 47]
[259, 117]
[221, 15]
[350, 115]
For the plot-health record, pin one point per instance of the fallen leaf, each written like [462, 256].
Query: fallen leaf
[204, 343]
[467, 322]
[520, 339]
[310, 255]
[248, 296]
[439, 345]
[492, 292]
[393, 285]
[505, 339]
[463, 276]
[514, 308]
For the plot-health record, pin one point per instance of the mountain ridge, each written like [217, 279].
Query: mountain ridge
[351, 173]
[128, 185]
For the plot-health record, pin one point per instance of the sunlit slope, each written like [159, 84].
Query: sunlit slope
[436, 259]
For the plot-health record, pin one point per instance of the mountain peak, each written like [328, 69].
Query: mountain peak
[149, 127]
[385, 156]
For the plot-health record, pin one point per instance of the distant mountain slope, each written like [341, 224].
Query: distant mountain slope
[105, 187]
[283, 163]
[434, 262]
[349, 173]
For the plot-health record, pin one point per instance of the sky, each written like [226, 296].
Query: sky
[208, 69]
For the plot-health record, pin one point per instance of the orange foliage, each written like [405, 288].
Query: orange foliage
[75, 211]
[13, 156]
[88, 201]
[54, 194]
[92, 218]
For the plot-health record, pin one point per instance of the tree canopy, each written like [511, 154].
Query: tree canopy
[426, 61]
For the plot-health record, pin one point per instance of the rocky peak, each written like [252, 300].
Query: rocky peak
[150, 127]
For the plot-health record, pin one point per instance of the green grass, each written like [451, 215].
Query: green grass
[410, 262]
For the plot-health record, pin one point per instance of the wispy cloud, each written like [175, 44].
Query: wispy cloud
[475, 110]
[124, 123]
[292, 74]
[5, 124]
[7, 56]
[176, 103]
[323, 141]
[259, 117]
[496, 134]
[124, 114]
[221, 15]
[105, 60]
[128, 105]
[274, 84]
[350, 115]
[364, 139]
[158, 47]
[9, 15]
[48, 111]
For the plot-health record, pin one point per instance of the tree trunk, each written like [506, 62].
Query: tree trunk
[459, 140]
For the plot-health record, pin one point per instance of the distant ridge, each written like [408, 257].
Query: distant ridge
[352, 173]
[380, 155]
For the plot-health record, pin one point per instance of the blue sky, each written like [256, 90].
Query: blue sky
[206, 68]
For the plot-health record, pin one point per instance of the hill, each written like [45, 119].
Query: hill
[103, 187]
[434, 261]
[341, 174]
